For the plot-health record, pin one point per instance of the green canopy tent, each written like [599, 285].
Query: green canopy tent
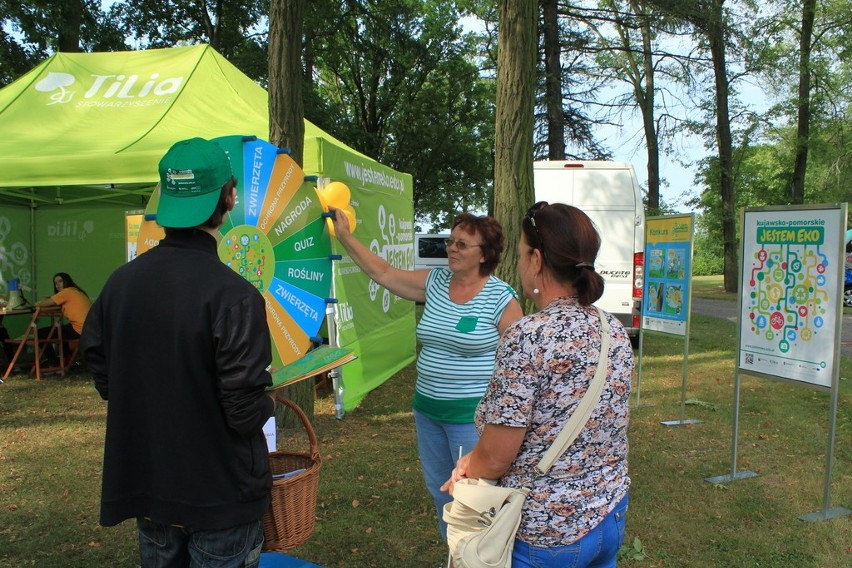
[80, 139]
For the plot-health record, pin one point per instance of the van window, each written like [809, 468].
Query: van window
[432, 247]
[430, 251]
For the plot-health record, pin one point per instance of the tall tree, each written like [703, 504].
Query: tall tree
[513, 168]
[708, 18]
[566, 87]
[712, 23]
[552, 80]
[626, 52]
[800, 49]
[71, 17]
[803, 122]
[644, 91]
[286, 110]
[287, 129]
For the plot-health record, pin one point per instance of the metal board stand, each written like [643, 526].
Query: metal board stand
[832, 217]
[331, 323]
[734, 473]
[827, 511]
[639, 403]
[682, 421]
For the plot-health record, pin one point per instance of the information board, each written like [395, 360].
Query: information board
[791, 292]
[668, 273]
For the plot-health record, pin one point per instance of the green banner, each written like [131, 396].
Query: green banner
[87, 243]
[376, 324]
[15, 259]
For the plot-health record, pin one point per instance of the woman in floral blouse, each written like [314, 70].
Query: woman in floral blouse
[574, 515]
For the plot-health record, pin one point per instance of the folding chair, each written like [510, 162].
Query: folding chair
[31, 338]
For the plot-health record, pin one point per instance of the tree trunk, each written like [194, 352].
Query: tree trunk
[553, 81]
[513, 169]
[69, 31]
[287, 129]
[716, 39]
[302, 393]
[797, 185]
[286, 108]
[644, 95]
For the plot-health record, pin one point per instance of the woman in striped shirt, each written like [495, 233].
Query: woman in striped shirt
[466, 309]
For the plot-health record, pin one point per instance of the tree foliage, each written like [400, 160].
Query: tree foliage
[32, 30]
[237, 30]
[567, 84]
[398, 83]
[412, 84]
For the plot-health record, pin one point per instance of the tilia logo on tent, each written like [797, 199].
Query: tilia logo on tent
[70, 230]
[110, 90]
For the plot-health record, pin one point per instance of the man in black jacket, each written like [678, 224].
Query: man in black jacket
[179, 347]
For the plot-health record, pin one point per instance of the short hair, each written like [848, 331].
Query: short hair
[569, 244]
[218, 216]
[492, 238]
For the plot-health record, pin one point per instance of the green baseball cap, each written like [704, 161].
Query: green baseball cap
[192, 174]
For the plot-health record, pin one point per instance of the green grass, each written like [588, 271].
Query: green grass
[711, 288]
[373, 510]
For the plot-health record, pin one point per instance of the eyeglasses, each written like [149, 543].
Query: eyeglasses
[531, 216]
[460, 245]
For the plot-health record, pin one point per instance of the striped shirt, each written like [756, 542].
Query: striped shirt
[458, 344]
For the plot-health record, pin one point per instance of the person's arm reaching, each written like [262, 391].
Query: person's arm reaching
[408, 284]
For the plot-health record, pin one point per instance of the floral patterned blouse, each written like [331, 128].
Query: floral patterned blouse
[544, 364]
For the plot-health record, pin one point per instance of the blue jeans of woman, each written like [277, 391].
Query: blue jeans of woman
[167, 546]
[598, 549]
[438, 444]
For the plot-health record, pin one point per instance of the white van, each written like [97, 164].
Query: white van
[430, 250]
[610, 195]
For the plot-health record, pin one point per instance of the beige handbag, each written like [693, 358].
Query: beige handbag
[482, 518]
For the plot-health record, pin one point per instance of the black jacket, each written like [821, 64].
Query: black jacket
[179, 347]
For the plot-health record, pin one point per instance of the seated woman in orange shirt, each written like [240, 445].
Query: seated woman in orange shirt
[75, 304]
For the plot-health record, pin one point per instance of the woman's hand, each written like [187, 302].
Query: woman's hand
[341, 222]
[459, 472]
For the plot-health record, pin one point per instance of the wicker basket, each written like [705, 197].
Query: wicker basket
[289, 521]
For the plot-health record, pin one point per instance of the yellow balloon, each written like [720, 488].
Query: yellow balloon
[336, 194]
[321, 198]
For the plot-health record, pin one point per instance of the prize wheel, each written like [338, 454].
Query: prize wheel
[276, 238]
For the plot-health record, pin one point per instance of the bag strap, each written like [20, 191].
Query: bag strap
[581, 414]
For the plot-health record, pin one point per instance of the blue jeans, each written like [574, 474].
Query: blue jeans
[438, 444]
[598, 549]
[166, 546]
